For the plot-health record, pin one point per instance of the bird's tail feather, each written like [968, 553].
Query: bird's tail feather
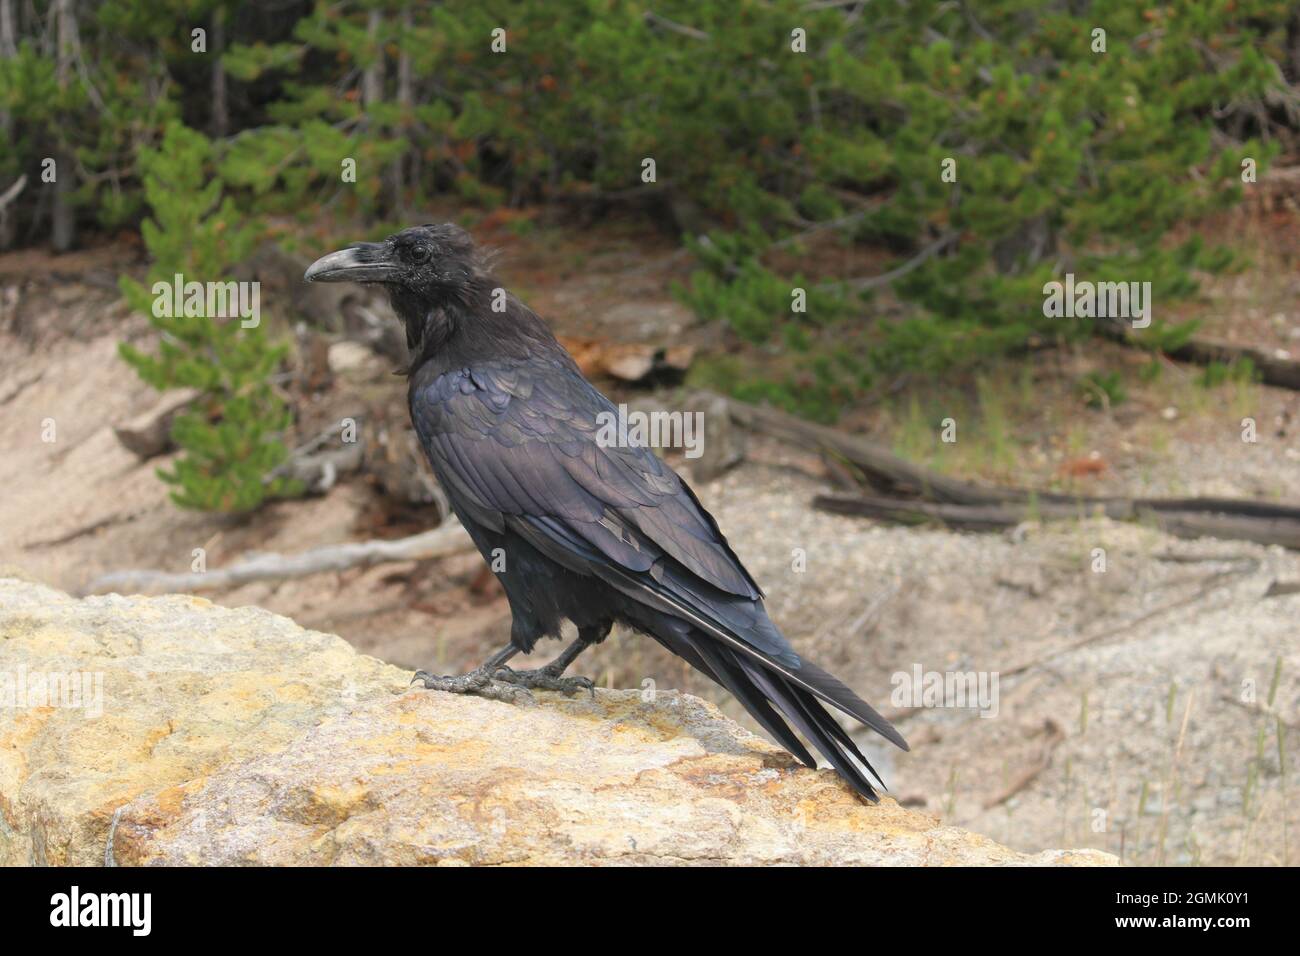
[798, 673]
[734, 676]
[761, 679]
[815, 723]
[834, 691]
[759, 689]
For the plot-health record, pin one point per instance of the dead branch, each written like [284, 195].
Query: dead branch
[1282, 588]
[14, 389]
[445, 540]
[653, 19]
[82, 531]
[1055, 734]
[320, 471]
[318, 467]
[10, 194]
[918, 260]
[1262, 708]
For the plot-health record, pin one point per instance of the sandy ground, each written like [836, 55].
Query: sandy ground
[1127, 709]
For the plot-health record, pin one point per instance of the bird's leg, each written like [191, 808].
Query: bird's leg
[482, 681]
[551, 676]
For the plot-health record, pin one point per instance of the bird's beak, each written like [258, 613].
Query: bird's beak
[363, 262]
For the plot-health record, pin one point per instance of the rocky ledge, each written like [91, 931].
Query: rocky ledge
[138, 731]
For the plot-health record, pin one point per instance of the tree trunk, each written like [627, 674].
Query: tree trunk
[8, 50]
[406, 100]
[220, 111]
[372, 92]
[64, 216]
[372, 80]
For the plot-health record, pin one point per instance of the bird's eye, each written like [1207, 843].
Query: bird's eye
[420, 253]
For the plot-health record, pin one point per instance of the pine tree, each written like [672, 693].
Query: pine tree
[229, 439]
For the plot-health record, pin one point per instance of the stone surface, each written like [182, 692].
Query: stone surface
[236, 737]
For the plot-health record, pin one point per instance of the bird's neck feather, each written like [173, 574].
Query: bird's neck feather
[460, 328]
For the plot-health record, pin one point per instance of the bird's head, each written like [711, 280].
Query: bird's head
[430, 263]
[443, 290]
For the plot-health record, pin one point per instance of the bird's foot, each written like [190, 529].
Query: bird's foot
[546, 678]
[479, 682]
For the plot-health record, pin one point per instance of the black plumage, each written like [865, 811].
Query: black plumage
[592, 534]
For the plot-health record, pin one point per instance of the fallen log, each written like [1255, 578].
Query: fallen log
[317, 466]
[981, 517]
[447, 539]
[973, 506]
[1279, 529]
[319, 471]
[1249, 523]
[1274, 365]
[877, 466]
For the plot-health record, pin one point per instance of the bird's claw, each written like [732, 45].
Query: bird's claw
[545, 678]
[479, 682]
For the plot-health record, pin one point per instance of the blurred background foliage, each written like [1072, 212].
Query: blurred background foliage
[985, 147]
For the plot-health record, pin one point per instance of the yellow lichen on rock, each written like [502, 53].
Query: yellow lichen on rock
[236, 737]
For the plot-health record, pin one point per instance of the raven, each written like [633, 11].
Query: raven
[575, 529]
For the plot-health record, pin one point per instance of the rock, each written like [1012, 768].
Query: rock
[187, 688]
[234, 736]
[354, 358]
[723, 444]
[149, 434]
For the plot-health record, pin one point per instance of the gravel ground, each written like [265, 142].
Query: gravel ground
[1131, 703]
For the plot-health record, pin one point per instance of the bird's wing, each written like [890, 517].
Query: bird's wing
[518, 445]
[526, 441]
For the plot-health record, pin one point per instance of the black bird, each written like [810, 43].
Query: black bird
[592, 534]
